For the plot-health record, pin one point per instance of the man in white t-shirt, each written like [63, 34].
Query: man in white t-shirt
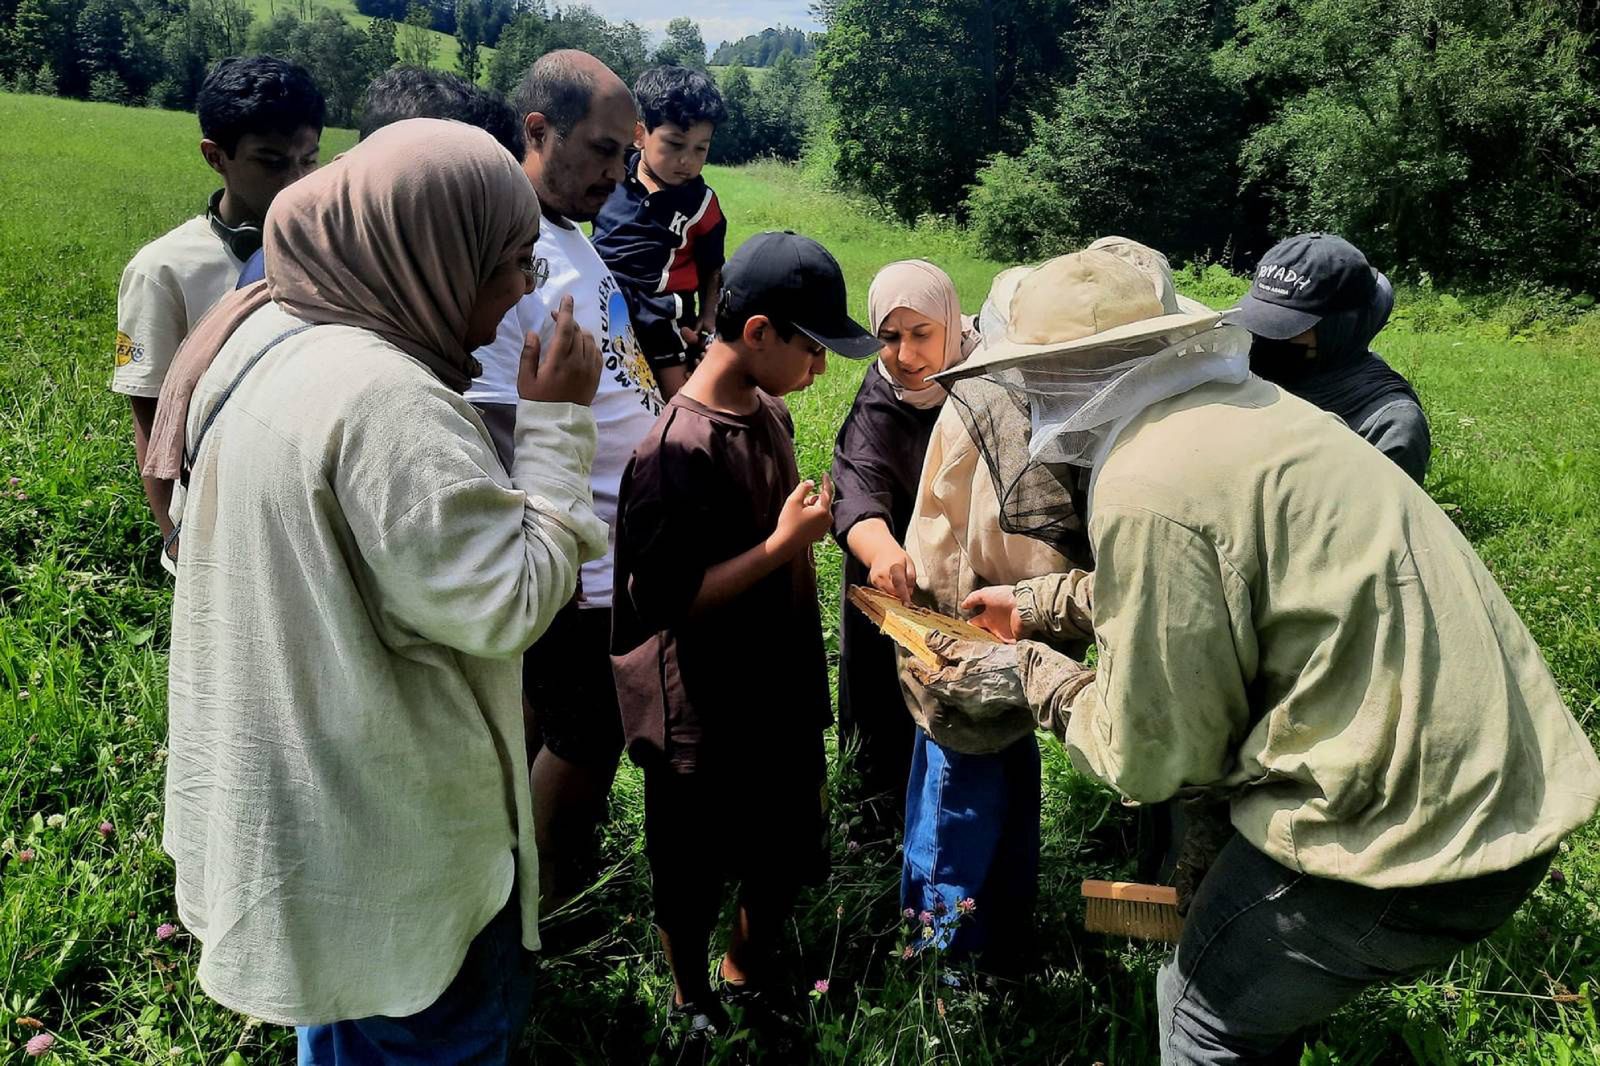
[578, 120]
[260, 126]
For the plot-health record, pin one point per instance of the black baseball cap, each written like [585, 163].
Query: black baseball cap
[1302, 280]
[794, 281]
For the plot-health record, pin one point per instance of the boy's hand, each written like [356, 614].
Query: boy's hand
[894, 573]
[569, 372]
[996, 611]
[805, 519]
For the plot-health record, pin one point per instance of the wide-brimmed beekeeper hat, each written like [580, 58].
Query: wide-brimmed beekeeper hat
[1082, 302]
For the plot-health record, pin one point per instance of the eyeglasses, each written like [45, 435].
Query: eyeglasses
[536, 270]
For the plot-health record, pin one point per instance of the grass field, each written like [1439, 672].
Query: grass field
[84, 945]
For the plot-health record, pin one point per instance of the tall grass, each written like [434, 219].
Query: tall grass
[83, 632]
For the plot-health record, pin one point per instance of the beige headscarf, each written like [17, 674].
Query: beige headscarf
[396, 236]
[927, 290]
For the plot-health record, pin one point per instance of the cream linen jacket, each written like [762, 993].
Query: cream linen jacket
[1282, 612]
[347, 790]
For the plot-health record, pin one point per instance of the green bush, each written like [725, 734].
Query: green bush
[1015, 214]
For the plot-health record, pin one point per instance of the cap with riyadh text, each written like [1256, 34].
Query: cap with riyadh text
[1301, 280]
[794, 281]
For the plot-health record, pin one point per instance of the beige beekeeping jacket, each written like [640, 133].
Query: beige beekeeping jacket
[1280, 610]
[347, 792]
[957, 546]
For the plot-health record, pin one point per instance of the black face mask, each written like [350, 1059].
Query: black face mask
[243, 240]
[1281, 361]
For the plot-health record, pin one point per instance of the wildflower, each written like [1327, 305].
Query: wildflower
[24, 496]
[927, 932]
[853, 846]
[938, 1002]
[821, 987]
[940, 909]
[39, 1045]
[967, 906]
[56, 821]
[908, 953]
[14, 482]
[26, 855]
[166, 931]
[23, 694]
[926, 918]
[1557, 878]
[130, 720]
[106, 829]
[909, 914]
[838, 912]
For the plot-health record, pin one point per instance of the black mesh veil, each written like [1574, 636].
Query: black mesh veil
[1045, 501]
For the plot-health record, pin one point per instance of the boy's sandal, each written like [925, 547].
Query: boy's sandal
[692, 1030]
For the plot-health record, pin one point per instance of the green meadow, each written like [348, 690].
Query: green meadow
[86, 891]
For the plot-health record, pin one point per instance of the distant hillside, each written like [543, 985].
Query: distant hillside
[305, 9]
[763, 49]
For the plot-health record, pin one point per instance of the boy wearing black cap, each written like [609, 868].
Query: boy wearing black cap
[716, 638]
[1314, 306]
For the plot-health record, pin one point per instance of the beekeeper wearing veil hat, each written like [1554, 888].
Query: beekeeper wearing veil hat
[1285, 620]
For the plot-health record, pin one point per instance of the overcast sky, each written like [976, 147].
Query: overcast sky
[720, 20]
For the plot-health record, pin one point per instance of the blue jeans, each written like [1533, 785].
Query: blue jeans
[1267, 952]
[477, 1020]
[972, 832]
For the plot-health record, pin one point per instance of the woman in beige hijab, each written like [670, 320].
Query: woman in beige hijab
[913, 308]
[347, 793]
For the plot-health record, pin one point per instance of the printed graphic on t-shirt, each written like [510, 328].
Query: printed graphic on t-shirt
[620, 350]
[128, 351]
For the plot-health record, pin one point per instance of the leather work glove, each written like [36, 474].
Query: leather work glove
[983, 679]
[1208, 826]
[978, 678]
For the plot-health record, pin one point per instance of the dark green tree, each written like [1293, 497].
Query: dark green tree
[415, 44]
[763, 49]
[621, 46]
[909, 101]
[1458, 138]
[783, 108]
[469, 37]
[735, 140]
[918, 92]
[1142, 143]
[683, 47]
[333, 51]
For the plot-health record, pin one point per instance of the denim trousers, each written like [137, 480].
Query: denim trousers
[972, 832]
[476, 1021]
[1267, 951]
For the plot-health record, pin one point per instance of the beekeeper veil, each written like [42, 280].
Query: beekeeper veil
[1072, 350]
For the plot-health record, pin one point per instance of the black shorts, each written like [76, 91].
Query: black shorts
[567, 679]
[760, 821]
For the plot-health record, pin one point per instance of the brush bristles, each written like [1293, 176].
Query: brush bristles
[1142, 921]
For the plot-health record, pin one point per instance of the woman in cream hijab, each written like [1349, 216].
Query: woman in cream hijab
[913, 308]
[347, 793]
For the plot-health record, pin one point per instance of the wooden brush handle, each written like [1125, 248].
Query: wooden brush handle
[1131, 892]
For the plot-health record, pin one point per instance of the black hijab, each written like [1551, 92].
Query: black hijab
[1344, 377]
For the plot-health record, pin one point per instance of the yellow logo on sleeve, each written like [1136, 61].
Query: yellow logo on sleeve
[127, 350]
